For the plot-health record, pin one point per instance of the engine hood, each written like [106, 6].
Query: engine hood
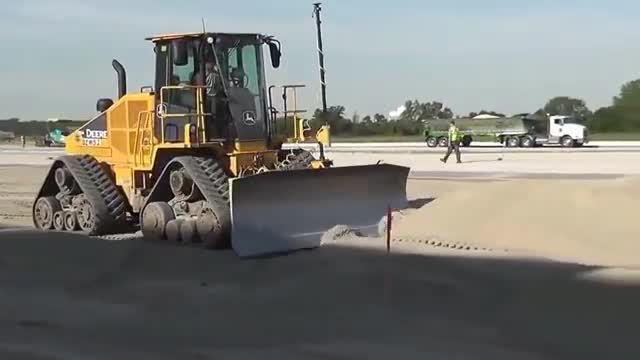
[574, 127]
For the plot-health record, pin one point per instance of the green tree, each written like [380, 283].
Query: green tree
[379, 118]
[411, 121]
[629, 95]
[334, 118]
[568, 106]
[485, 112]
[623, 115]
[607, 119]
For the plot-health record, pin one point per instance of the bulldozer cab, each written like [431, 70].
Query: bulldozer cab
[214, 81]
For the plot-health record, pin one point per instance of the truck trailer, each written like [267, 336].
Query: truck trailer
[515, 131]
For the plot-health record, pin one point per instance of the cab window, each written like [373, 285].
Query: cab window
[183, 74]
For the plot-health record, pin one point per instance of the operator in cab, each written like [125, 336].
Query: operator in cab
[214, 97]
[454, 142]
[212, 79]
[237, 78]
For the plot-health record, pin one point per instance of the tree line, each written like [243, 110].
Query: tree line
[36, 128]
[623, 115]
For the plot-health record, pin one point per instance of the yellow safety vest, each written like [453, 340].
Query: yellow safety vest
[454, 133]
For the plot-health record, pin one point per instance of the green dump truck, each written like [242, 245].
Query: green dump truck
[516, 131]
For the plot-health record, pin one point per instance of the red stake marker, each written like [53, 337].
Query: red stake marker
[389, 229]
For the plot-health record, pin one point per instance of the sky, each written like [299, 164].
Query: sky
[509, 56]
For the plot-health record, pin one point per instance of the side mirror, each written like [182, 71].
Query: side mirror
[274, 49]
[180, 53]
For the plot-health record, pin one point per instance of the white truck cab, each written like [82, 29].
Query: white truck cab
[564, 130]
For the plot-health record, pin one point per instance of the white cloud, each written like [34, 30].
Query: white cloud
[397, 112]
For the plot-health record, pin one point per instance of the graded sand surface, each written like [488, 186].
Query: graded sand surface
[72, 297]
[588, 221]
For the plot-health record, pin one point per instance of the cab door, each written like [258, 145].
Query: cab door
[173, 102]
[556, 129]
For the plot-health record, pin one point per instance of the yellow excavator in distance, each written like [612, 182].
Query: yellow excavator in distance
[196, 158]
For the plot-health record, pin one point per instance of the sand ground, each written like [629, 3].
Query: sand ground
[554, 275]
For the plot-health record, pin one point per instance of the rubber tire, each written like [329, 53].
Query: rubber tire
[79, 215]
[52, 205]
[466, 140]
[431, 142]
[189, 232]
[513, 141]
[172, 230]
[58, 220]
[527, 142]
[443, 142]
[210, 230]
[567, 142]
[155, 217]
[70, 221]
[62, 177]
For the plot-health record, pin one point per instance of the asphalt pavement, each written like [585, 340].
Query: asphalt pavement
[406, 147]
[597, 161]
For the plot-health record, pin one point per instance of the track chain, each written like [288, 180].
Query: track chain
[109, 205]
[297, 160]
[434, 242]
[121, 237]
[209, 177]
[5, 215]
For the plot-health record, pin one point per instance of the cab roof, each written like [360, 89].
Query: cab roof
[173, 36]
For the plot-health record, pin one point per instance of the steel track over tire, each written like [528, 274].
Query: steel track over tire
[213, 183]
[105, 207]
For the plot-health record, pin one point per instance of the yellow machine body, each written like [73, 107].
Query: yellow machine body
[130, 145]
[196, 159]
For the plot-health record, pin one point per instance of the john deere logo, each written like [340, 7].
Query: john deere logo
[249, 118]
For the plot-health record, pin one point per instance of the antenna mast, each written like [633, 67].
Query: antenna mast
[316, 11]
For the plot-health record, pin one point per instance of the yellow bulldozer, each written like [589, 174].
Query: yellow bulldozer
[196, 159]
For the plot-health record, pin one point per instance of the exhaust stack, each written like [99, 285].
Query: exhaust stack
[122, 78]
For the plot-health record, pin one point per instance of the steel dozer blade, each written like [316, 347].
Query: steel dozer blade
[283, 211]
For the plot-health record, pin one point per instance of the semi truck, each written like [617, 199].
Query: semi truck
[516, 131]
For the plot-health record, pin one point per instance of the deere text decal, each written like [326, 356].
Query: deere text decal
[93, 137]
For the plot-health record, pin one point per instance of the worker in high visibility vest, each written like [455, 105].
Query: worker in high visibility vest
[454, 142]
